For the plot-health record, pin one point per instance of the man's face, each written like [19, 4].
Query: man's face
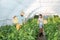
[22, 14]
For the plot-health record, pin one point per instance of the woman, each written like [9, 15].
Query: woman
[40, 20]
[15, 21]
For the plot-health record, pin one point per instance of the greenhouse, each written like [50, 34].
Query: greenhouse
[29, 19]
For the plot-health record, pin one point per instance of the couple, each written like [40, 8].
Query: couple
[19, 20]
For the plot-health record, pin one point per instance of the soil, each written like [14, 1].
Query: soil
[41, 37]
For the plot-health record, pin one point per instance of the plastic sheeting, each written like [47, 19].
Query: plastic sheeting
[9, 8]
[44, 6]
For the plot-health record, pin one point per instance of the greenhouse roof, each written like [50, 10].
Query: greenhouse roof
[9, 8]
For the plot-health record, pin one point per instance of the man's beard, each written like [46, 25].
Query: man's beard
[21, 15]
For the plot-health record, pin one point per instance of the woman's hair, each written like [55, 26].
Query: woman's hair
[40, 15]
[14, 16]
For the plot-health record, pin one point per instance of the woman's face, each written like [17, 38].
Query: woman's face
[40, 16]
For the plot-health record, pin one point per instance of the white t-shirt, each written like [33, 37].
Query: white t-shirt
[40, 20]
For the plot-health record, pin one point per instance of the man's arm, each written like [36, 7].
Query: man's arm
[24, 20]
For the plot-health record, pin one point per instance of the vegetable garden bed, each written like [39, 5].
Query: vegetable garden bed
[30, 30]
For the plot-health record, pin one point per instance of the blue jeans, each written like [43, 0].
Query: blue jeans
[40, 25]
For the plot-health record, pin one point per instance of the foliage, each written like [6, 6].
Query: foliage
[29, 31]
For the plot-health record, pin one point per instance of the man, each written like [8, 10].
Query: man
[21, 20]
